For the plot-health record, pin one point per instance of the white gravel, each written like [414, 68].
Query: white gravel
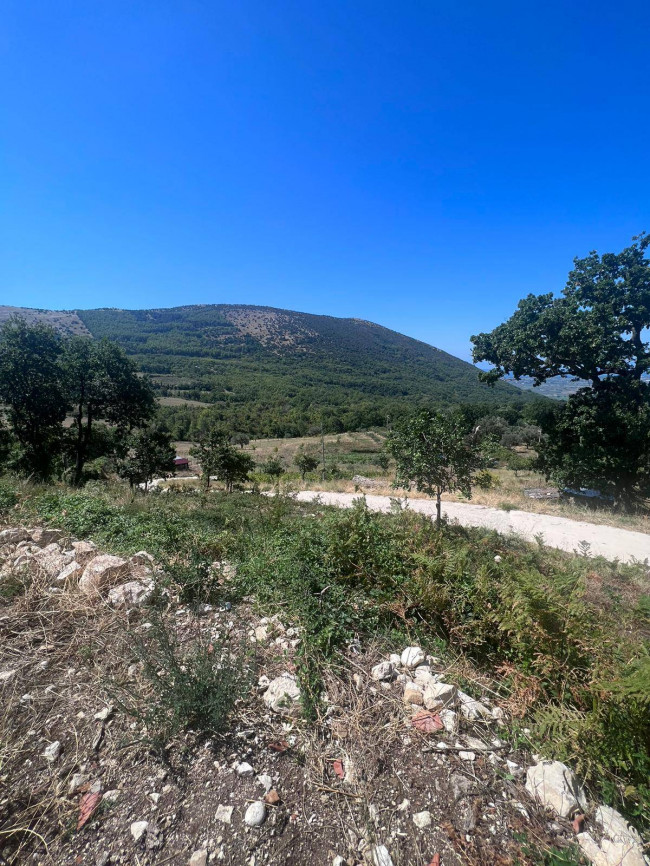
[560, 532]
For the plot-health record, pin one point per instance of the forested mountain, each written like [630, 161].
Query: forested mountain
[275, 372]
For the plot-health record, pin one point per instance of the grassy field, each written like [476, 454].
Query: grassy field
[349, 454]
[562, 640]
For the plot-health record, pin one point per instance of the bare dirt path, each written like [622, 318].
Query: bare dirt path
[560, 532]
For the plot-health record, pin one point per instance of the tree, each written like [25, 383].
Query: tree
[102, 383]
[273, 467]
[31, 387]
[240, 439]
[434, 454]
[220, 459]
[151, 454]
[305, 463]
[593, 332]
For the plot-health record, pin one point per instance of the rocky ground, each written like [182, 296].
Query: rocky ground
[401, 766]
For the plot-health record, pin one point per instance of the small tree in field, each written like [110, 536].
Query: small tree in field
[434, 454]
[273, 467]
[220, 459]
[151, 453]
[305, 463]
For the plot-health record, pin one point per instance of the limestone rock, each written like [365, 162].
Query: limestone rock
[199, 858]
[142, 558]
[138, 829]
[384, 672]
[14, 536]
[553, 784]
[84, 551]
[412, 656]
[51, 560]
[255, 814]
[472, 709]
[413, 694]
[378, 855]
[224, 814]
[72, 572]
[130, 594]
[52, 752]
[422, 819]
[45, 537]
[439, 695]
[100, 571]
[283, 696]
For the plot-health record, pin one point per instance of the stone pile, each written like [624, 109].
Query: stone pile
[77, 565]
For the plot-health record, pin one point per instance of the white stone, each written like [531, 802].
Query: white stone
[472, 709]
[224, 814]
[244, 769]
[100, 571]
[142, 558]
[498, 714]
[103, 714]
[591, 850]
[497, 558]
[339, 861]
[265, 781]
[412, 656]
[450, 720]
[379, 856]
[467, 756]
[394, 659]
[383, 672]
[7, 676]
[138, 829]
[261, 634]
[255, 814]
[52, 752]
[130, 594]
[283, 696]
[513, 769]
[422, 819]
[76, 782]
[438, 695]
[70, 573]
[553, 784]
[199, 858]
[615, 827]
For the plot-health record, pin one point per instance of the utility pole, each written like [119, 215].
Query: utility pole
[322, 443]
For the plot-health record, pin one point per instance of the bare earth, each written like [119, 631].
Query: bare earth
[559, 532]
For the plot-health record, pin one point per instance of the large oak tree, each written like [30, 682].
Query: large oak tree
[596, 332]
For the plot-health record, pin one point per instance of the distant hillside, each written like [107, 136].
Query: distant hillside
[275, 372]
[62, 320]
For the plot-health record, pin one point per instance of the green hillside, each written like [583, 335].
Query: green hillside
[274, 372]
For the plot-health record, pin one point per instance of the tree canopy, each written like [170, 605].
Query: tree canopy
[434, 453]
[595, 331]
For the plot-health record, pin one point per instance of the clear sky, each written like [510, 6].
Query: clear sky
[421, 164]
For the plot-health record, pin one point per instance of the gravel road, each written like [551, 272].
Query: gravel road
[560, 532]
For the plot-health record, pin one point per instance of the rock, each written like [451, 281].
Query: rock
[422, 819]
[497, 558]
[71, 573]
[283, 696]
[395, 659]
[265, 781]
[413, 694]
[498, 715]
[621, 844]
[84, 551]
[51, 560]
[467, 756]
[438, 695]
[272, 797]
[198, 858]
[553, 785]
[591, 850]
[6, 676]
[130, 594]
[615, 827]
[138, 829]
[450, 720]
[472, 709]
[255, 814]
[104, 714]
[339, 861]
[261, 634]
[14, 536]
[142, 558]
[112, 796]
[384, 672]
[45, 537]
[362, 481]
[245, 769]
[224, 814]
[76, 782]
[460, 785]
[52, 752]
[514, 769]
[103, 859]
[100, 571]
[378, 855]
[412, 656]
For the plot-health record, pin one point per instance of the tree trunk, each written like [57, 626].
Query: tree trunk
[438, 509]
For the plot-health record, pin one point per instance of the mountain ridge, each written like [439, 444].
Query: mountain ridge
[271, 371]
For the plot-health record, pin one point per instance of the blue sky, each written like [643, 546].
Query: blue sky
[420, 164]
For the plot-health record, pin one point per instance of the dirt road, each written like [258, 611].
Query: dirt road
[572, 535]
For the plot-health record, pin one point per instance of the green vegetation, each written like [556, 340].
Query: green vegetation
[565, 637]
[44, 375]
[150, 454]
[275, 373]
[434, 452]
[600, 438]
[222, 460]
